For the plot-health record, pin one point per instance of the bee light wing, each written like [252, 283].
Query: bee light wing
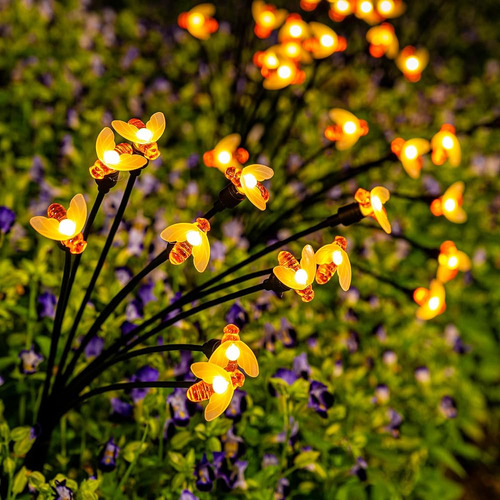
[47, 227]
[228, 143]
[157, 125]
[177, 232]
[381, 215]
[340, 116]
[464, 261]
[344, 271]
[105, 142]
[257, 7]
[207, 9]
[218, 403]
[219, 357]
[130, 162]
[324, 254]
[260, 172]
[77, 212]
[308, 263]
[287, 277]
[247, 360]
[201, 253]
[126, 130]
[207, 371]
[253, 194]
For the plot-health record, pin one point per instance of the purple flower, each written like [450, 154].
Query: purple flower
[126, 327]
[193, 160]
[144, 374]
[301, 366]
[221, 467]
[359, 469]
[2, 381]
[123, 275]
[46, 305]
[234, 446]
[181, 408]
[94, 347]
[204, 475]
[288, 376]
[237, 315]
[61, 491]
[287, 333]
[269, 460]
[422, 374]
[29, 361]
[294, 433]
[338, 368]
[448, 407]
[395, 422]
[239, 475]
[134, 310]
[389, 358]
[352, 342]
[237, 405]
[187, 495]
[217, 250]
[382, 394]
[108, 456]
[146, 294]
[282, 489]
[120, 410]
[319, 398]
[7, 219]
[184, 366]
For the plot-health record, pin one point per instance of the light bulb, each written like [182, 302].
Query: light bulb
[224, 157]
[450, 205]
[453, 262]
[376, 203]
[67, 227]
[193, 238]
[284, 72]
[292, 49]
[301, 277]
[349, 128]
[295, 30]
[326, 41]
[196, 19]
[220, 384]
[250, 180]
[267, 19]
[386, 6]
[342, 6]
[411, 152]
[412, 63]
[111, 157]
[337, 257]
[144, 134]
[233, 352]
[434, 303]
[447, 142]
[366, 7]
[271, 61]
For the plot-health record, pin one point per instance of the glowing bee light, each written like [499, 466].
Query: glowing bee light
[220, 384]
[431, 301]
[371, 204]
[279, 65]
[412, 62]
[285, 71]
[233, 353]
[144, 134]
[450, 204]
[365, 10]
[248, 182]
[267, 18]
[383, 41]
[331, 259]
[390, 8]
[224, 157]
[294, 29]
[445, 146]
[340, 9]
[189, 239]
[111, 158]
[199, 21]
[451, 260]
[226, 152]
[410, 153]
[323, 41]
[64, 226]
[295, 275]
[347, 129]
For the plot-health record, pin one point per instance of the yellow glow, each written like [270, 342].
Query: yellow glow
[412, 63]
[447, 142]
[144, 134]
[111, 157]
[220, 384]
[67, 227]
[411, 152]
[233, 352]
[376, 203]
[271, 61]
[284, 72]
[337, 257]
[224, 157]
[366, 7]
[453, 262]
[434, 303]
[267, 19]
[292, 49]
[196, 19]
[193, 238]
[386, 6]
[450, 205]
[250, 180]
[301, 277]
[295, 30]
[326, 41]
[349, 128]
[342, 6]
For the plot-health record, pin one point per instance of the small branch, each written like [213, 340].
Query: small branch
[158, 348]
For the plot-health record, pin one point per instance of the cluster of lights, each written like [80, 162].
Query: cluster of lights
[221, 375]
[383, 41]
[267, 18]
[372, 12]
[347, 129]
[199, 21]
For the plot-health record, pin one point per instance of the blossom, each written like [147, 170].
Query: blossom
[359, 469]
[237, 406]
[411, 154]
[347, 129]
[187, 495]
[7, 219]
[204, 475]
[108, 456]
[46, 305]
[450, 204]
[422, 374]
[144, 374]
[395, 423]
[94, 347]
[319, 398]
[237, 315]
[61, 491]
[64, 226]
[372, 203]
[301, 366]
[445, 146]
[323, 41]
[382, 394]
[333, 258]
[180, 408]
[448, 407]
[120, 409]
[29, 361]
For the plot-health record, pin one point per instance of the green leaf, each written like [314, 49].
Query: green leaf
[133, 450]
[306, 458]
[20, 480]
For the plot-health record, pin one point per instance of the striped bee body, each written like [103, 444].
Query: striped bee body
[56, 211]
[325, 272]
[180, 253]
[201, 391]
[286, 259]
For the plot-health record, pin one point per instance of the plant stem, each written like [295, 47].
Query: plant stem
[134, 461]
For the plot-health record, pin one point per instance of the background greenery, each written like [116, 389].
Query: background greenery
[68, 68]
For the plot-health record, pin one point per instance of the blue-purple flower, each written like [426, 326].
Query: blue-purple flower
[94, 347]
[237, 315]
[301, 366]
[319, 398]
[237, 405]
[382, 394]
[204, 475]
[61, 491]
[7, 219]
[234, 446]
[422, 374]
[46, 305]
[188, 495]
[108, 456]
[144, 374]
[359, 469]
[395, 422]
[448, 407]
[120, 410]
[181, 409]
[29, 361]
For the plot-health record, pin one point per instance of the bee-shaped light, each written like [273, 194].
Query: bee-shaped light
[390, 8]
[333, 258]
[371, 204]
[144, 136]
[216, 386]
[347, 129]
[189, 239]
[309, 5]
[324, 41]
[412, 62]
[410, 153]
[248, 182]
[277, 68]
[233, 353]
[295, 29]
[445, 146]
[365, 10]
[114, 157]
[64, 226]
[199, 21]
[295, 275]
[450, 204]
[226, 153]
[383, 41]
[451, 260]
[267, 18]
[340, 9]
[431, 301]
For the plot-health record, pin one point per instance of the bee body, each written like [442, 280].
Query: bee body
[150, 151]
[56, 211]
[325, 272]
[286, 259]
[137, 123]
[98, 170]
[76, 244]
[180, 253]
[201, 391]
[234, 175]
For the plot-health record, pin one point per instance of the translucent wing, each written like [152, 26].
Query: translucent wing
[455, 153]
[341, 116]
[456, 190]
[344, 271]
[228, 143]
[346, 142]
[464, 261]
[257, 8]
[201, 253]
[219, 357]
[125, 130]
[157, 125]
[177, 232]
[207, 371]
[308, 263]
[280, 16]
[287, 277]
[412, 167]
[47, 227]
[260, 172]
[207, 9]
[247, 360]
[130, 162]
[253, 194]
[324, 254]
[422, 145]
[458, 216]
[218, 404]
[77, 212]
[105, 142]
